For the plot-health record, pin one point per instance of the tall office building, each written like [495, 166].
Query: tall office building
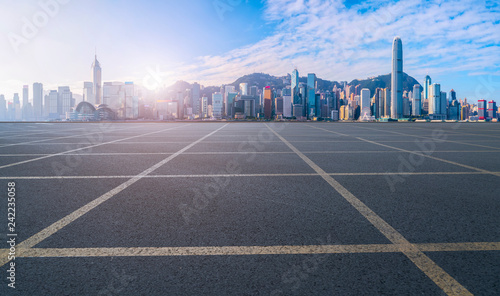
[244, 89]
[268, 103]
[397, 79]
[378, 104]
[406, 107]
[65, 98]
[427, 85]
[180, 104]
[229, 104]
[295, 87]
[444, 105]
[481, 109]
[365, 104]
[453, 95]
[52, 105]
[492, 109]
[311, 96]
[25, 95]
[195, 98]
[387, 102]
[18, 115]
[204, 107]
[3, 108]
[417, 101]
[97, 80]
[217, 104]
[38, 101]
[88, 92]
[435, 99]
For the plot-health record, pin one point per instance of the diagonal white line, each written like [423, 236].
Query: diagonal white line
[447, 283]
[240, 175]
[418, 153]
[56, 226]
[82, 148]
[58, 138]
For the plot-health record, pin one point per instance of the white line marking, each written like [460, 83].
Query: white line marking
[240, 175]
[242, 153]
[447, 283]
[86, 147]
[248, 250]
[419, 154]
[50, 230]
[38, 142]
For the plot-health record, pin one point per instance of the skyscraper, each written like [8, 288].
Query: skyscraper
[311, 96]
[17, 107]
[217, 103]
[88, 92]
[435, 99]
[65, 97]
[397, 79]
[25, 95]
[492, 109]
[427, 85]
[268, 98]
[481, 109]
[365, 104]
[387, 102]
[97, 80]
[3, 108]
[195, 98]
[244, 89]
[38, 100]
[204, 107]
[51, 105]
[295, 87]
[417, 102]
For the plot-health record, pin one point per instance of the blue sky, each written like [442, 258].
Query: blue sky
[213, 42]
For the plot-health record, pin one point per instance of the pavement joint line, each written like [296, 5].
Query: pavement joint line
[58, 225]
[83, 148]
[421, 154]
[242, 153]
[241, 175]
[456, 133]
[425, 137]
[37, 133]
[37, 142]
[248, 250]
[438, 275]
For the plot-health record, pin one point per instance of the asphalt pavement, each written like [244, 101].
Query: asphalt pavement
[217, 208]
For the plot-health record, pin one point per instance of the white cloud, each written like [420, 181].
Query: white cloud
[337, 43]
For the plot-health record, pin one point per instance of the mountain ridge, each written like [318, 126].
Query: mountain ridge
[262, 80]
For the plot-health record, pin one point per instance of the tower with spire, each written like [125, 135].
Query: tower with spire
[97, 81]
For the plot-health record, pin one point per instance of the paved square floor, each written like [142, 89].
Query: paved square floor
[252, 208]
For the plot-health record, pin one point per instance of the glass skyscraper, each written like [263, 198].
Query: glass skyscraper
[397, 79]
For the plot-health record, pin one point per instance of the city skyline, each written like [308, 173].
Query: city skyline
[352, 45]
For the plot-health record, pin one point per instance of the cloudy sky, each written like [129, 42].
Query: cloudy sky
[213, 42]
